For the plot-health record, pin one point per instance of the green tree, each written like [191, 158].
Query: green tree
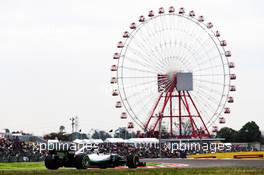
[60, 136]
[229, 134]
[7, 131]
[249, 133]
[262, 139]
[100, 135]
[62, 129]
[123, 132]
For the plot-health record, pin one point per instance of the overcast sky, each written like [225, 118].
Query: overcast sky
[55, 58]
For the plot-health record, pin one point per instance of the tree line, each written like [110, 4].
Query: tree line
[121, 132]
[250, 132]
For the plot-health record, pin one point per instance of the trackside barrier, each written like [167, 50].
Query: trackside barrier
[243, 156]
[231, 155]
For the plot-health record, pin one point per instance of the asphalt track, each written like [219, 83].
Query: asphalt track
[202, 163]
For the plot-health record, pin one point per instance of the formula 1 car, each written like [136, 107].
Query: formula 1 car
[87, 159]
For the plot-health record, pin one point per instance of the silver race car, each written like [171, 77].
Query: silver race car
[88, 158]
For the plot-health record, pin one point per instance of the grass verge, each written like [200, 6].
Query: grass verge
[39, 169]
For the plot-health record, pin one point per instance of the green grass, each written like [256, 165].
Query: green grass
[22, 166]
[164, 171]
[33, 166]
[39, 169]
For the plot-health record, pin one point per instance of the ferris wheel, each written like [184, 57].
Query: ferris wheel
[171, 69]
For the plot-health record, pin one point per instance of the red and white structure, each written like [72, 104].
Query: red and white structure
[173, 69]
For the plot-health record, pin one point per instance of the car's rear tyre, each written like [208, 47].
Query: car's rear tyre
[102, 166]
[142, 164]
[82, 161]
[51, 163]
[132, 161]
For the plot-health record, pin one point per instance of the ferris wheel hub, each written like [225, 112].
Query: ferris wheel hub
[172, 75]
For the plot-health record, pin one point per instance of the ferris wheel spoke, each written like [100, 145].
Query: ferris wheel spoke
[208, 68]
[163, 28]
[136, 69]
[168, 85]
[209, 96]
[145, 58]
[157, 56]
[212, 120]
[142, 47]
[189, 50]
[163, 38]
[137, 77]
[210, 89]
[148, 88]
[150, 50]
[186, 46]
[150, 36]
[146, 98]
[210, 59]
[207, 58]
[184, 57]
[205, 51]
[193, 53]
[135, 118]
[154, 68]
[210, 82]
[208, 75]
[139, 92]
[164, 81]
[139, 84]
[162, 57]
[201, 45]
[139, 101]
[147, 38]
[188, 58]
[200, 103]
[146, 106]
[206, 61]
[200, 99]
[143, 64]
[203, 102]
[180, 61]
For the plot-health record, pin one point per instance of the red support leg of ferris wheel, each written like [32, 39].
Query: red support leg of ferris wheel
[180, 119]
[168, 100]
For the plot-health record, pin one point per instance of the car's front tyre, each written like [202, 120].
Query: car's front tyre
[132, 161]
[82, 161]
